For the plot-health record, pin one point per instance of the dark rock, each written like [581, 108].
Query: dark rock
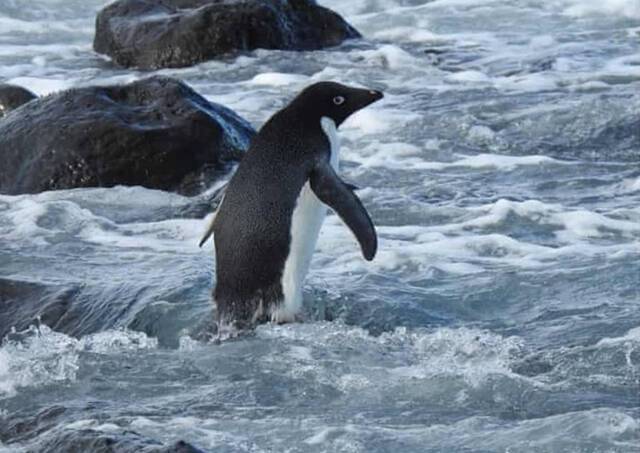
[25, 425]
[622, 135]
[157, 133]
[153, 34]
[12, 97]
[88, 440]
[45, 427]
[181, 447]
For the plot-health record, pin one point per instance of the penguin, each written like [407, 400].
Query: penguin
[267, 224]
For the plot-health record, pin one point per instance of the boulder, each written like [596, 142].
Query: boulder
[151, 34]
[12, 97]
[157, 133]
[124, 441]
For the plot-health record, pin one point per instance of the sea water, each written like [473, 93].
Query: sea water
[502, 312]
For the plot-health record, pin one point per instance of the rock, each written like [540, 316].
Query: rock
[12, 97]
[26, 424]
[152, 34]
[157, 133]
[89, 440]
[46, 428]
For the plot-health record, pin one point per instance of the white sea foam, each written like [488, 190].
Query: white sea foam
[632, 336]
[166, 235]
[277, 79]
[467, 354]
[27, 218]
[388, 57]
[501, 162]
[41, 356]
[575, 224]
[378, 119]
[628, 8]
[42, 86]
[572, 431]
[410, 157]
[477, 168]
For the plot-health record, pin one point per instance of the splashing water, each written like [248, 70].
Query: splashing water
[501, 313]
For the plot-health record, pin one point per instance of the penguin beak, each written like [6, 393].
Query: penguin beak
[359, 98]
[368, 97]
[377, 95]
[374, 95]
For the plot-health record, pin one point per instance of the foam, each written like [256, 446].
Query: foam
[470, 76]
[408, 34]
[42, 86]
[22, 217]
[278, 79]
[631, 337]
[595, 8]
[13, 25]
[602, 429]
[471, 355]
[389, 56]
[459, 76]
[496, 161]
[41, 356]
[378, 119]
[25, 215]
[116, 340]
[472, 246]
[431, 248]
[168, 235]
[577, 224]
[398, 155]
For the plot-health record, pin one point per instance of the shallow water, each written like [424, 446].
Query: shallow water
[502, 312]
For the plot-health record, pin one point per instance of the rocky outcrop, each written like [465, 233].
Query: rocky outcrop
[151, 34]
[89, 440]
[157, 133]
[12, 97]
[26, 425]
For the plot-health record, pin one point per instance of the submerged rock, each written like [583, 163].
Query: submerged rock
[25, 424]
[12, 97]
[125, 441]
[157, 133]
[153, 34]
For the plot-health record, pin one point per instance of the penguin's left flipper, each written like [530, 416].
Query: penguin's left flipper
[335, 193]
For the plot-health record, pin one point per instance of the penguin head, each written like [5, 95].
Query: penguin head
[332, 100]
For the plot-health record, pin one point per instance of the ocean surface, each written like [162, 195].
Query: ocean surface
[501, 314]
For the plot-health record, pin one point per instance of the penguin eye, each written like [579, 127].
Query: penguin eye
[338, 100]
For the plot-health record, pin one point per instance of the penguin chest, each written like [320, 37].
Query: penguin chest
[306, 221]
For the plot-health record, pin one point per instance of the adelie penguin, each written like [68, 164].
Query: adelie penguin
[267, 224]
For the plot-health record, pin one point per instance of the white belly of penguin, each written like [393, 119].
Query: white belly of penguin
[306, 222]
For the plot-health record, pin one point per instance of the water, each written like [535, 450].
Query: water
[502, 312]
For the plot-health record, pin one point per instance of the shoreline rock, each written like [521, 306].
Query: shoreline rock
[157, 133]
[153, 34]
[12, 97]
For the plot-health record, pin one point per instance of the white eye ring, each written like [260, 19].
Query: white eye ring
[338, 100]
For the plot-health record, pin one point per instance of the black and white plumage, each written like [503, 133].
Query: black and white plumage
[267, 224]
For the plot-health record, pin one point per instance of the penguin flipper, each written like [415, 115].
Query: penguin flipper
[332, 191]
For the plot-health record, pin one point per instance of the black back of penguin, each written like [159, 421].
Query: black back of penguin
[252, 226]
